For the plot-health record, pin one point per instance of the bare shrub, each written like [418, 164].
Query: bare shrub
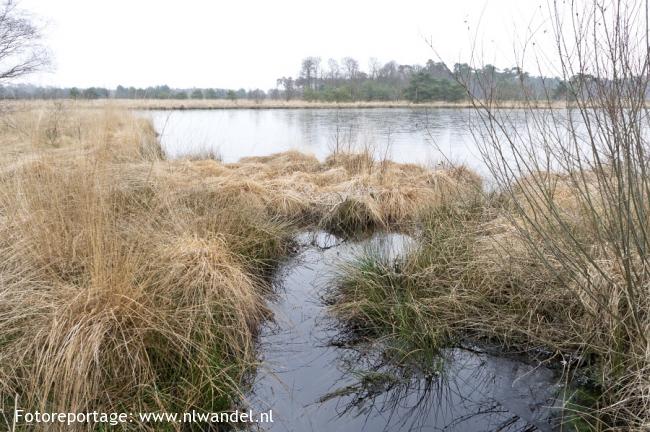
[575, 178]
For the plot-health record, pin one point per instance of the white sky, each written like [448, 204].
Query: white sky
[246, 43]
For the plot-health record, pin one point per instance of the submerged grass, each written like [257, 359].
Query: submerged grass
[381, 301]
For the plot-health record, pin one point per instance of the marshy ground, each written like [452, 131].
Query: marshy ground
[317, 376]
[131, 282]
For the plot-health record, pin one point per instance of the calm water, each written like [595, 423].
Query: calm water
[404, 135]
[312, 385]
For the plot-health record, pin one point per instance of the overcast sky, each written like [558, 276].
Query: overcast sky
[245, 43]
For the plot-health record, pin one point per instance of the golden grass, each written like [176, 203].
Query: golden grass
[129, 282]
[58, 128]
[116, 296]
[298, 187]
[133, 283]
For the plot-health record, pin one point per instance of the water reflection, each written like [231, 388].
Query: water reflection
[413, 135]
[463, 391]
[315, 381]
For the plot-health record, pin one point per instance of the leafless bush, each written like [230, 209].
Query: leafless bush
[21, 48]
[576, 176]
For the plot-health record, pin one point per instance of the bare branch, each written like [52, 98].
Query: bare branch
[21, 48]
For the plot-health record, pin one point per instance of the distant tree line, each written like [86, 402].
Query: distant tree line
[344, 81]
[27, 91]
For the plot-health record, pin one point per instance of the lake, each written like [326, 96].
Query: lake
[402, 134]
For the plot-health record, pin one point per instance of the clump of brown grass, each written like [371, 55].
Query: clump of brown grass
[353, 216]
[474, 273]
[161, 328]
[121, 291]
[355, 163]
[285, 163]
[298, 189]
[134, 283]
[60, 129]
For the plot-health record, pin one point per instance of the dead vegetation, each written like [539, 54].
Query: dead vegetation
[555, 259]
[133, 281]
[530, 271]
[129, 282]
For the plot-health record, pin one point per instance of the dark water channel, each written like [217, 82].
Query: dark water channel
[314, 385]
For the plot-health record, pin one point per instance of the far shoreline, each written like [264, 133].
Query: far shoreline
[224, 104]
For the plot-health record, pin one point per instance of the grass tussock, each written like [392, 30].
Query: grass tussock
[159, 325]
[506, 268]
[341, 194]
[413, 298]
[120, 289]
[353, 216]
[133, 283]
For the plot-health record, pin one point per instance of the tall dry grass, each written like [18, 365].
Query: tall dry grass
[133, 283]
[552, 264]
[119, 290]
